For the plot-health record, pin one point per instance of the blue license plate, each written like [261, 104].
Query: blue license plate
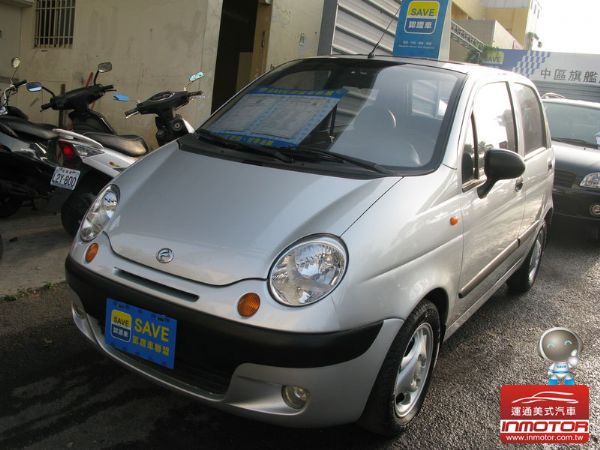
[140, 332]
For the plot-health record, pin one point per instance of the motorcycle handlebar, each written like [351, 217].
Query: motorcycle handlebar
[20, 83]
[195, 93]
[46, 106]
[131, 112]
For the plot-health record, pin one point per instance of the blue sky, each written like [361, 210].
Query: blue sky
[570, 26]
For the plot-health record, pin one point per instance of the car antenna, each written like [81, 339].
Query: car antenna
[372, 54]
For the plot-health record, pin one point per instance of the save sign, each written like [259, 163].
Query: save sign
[420, 27]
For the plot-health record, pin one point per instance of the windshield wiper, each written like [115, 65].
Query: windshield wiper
[575, 141]
[332, 156]
[243, 146]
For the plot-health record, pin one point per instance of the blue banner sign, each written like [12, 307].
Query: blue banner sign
[420, 27]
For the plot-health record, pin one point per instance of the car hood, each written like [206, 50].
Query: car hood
[576, 159]
[224, 220]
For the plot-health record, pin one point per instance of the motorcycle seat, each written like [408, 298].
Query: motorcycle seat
[128, 144]
[22, 126]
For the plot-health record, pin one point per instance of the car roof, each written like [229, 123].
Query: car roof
[568, 101]
[464, 68]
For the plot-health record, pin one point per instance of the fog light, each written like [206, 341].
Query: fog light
[248, 304]
[295, 396]
[595, 210]
[91, 252]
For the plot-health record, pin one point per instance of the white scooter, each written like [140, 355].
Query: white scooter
[88, 160]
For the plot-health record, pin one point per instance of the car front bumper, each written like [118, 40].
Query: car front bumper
[574, 204]
[241, 368]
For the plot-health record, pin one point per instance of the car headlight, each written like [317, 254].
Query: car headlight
[591, 180]
[308, 271]
[100, 213]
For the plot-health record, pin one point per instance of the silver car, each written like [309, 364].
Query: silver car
[301, 256]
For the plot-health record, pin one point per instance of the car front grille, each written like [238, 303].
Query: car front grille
[564, 178]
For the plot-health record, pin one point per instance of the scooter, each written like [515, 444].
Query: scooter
[169, 125]
[25, 170]
[88, 160]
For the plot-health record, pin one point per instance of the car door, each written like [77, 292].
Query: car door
[536, 148]
[491, 224]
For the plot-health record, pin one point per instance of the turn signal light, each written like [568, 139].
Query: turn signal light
[91, 252]
[248, 304]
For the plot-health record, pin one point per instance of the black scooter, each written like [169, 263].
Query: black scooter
[25, 169]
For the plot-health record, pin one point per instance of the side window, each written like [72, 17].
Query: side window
[494, 120]
[531, 117]
[469, 157]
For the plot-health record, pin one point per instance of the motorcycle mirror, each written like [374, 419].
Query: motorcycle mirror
[104, 67]
[196, 76]
[15, 62]
[121, 97]
[34, 86]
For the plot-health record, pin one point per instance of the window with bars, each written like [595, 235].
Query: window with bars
[54, 23]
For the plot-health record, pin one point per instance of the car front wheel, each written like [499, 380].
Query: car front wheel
[403, 380]
[522, 280]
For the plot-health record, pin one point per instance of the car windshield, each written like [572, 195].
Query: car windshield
[387, 114]
[575, 124]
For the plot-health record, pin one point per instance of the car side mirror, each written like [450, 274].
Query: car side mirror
[34, 86]
[500, 165]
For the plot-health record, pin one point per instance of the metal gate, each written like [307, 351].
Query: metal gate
[355, 26]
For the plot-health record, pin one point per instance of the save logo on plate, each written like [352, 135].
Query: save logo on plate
[422, 17]
[141, 332]
[120, 325]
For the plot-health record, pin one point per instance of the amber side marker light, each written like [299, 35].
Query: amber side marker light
[453, 220]
[91, 252]
[248, 304]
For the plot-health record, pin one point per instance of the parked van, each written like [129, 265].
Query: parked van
[300, 258]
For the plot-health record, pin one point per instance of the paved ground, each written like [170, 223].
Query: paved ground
[35, 248]
[57, 392]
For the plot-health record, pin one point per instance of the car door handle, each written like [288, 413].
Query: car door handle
[519, 184]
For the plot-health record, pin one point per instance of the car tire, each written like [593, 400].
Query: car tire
[73, 210]
[389, 410]
[524, 278]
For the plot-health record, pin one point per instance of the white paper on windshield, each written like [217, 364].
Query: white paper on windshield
[241, 117]
[277, 117]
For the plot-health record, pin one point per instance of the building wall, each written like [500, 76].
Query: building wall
[295, 28]
[10, 27]
[473, 8]
[513, 19]
[154, 45]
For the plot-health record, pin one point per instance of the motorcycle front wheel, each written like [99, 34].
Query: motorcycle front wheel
[9, 205]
